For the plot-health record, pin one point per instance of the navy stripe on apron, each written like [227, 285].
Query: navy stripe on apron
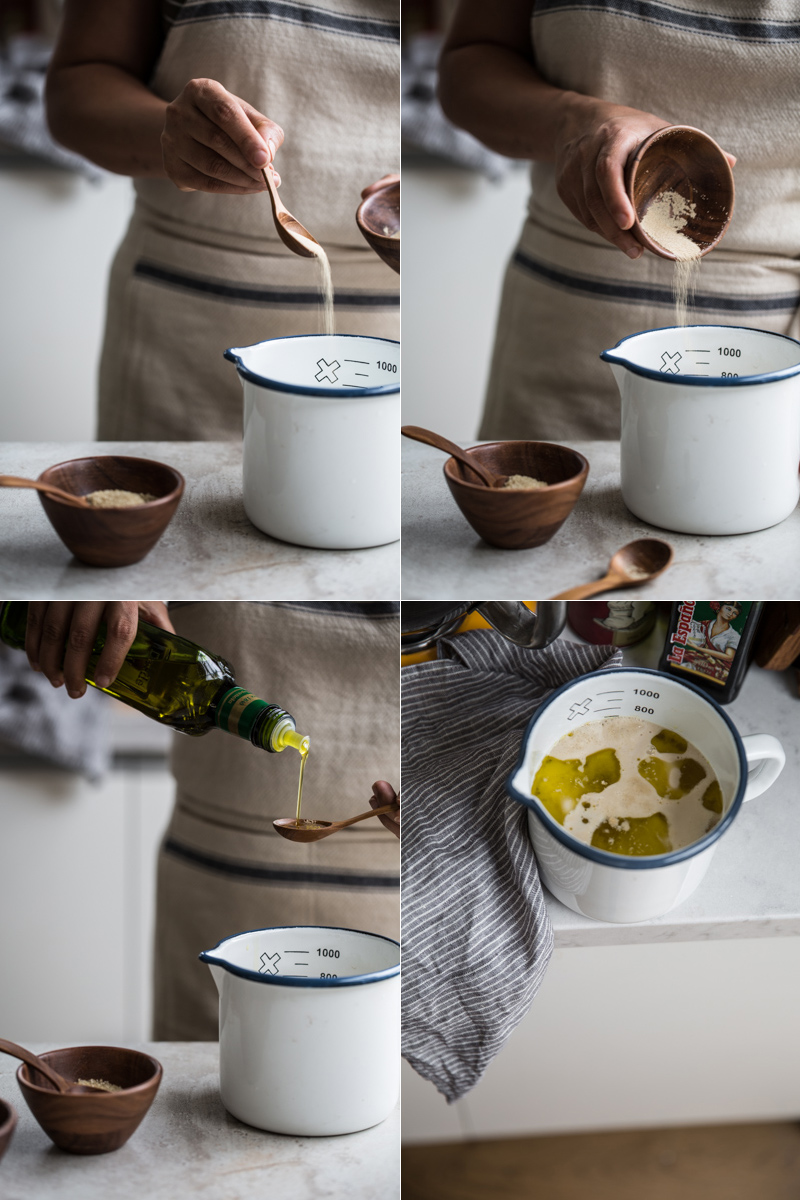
[281, 875]
[245, 293]
[731, 28]
[179, 13]
[633, 293]
[370, 610]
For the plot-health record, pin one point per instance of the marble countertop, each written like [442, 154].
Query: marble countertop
[210, 550]
[443, 558]
[189, 1146]
[752, 887]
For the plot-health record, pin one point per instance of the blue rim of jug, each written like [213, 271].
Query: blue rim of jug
[625, 861]
[208, 956]
[703, 380]
[302, 389]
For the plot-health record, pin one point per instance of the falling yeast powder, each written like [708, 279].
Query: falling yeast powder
[326, 288]
[664, 222]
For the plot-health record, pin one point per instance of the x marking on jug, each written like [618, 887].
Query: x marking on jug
[579, 710]
[327, 370]
[269, 964]
[669, 362]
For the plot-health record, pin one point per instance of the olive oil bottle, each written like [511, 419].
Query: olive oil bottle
[171, 680]
[709, 642]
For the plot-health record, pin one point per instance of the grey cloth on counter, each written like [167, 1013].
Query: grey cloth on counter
[476, 934]
[43, 722]
[23, 124]
[425, 125]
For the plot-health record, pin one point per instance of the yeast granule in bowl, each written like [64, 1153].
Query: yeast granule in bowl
[117, 498]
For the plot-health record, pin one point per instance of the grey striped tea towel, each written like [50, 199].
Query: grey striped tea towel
[476, 934]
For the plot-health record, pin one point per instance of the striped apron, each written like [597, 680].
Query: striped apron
[196, 272]
[731, 70]
[222, 868]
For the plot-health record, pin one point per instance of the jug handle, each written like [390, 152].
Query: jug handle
[765, 761]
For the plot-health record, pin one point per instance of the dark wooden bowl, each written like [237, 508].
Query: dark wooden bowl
[519, 520]
[377, 212]
[112, 537]
[89, 1122]
[8, 1123]
[684, 160]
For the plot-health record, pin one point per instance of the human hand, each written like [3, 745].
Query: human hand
[214, 141]
[60, 636]
[384, 793]
[593, 145]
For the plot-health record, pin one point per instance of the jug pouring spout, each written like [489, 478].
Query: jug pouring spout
[214, 966]
[618, 366]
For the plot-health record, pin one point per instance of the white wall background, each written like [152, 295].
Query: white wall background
[458, 232]
[77, 889]
[58, 235]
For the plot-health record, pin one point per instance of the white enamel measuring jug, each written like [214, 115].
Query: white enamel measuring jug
[321, 460]
[710, 427]
[617, 887]
[309, 1028]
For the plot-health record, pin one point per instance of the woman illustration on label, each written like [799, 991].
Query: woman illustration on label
[716, 638]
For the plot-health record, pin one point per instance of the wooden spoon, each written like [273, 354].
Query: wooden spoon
[50, 489]
[58, 1081]
[312, 831]
[638, 562]
[417, 434]
[290, 231]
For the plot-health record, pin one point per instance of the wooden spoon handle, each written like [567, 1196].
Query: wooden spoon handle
[17, 481]
[277, 204]
[32, 1060]
[373, 812]
[417, 434]
[591, 589]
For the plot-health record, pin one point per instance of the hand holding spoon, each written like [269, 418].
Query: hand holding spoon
[312, 831]
[637, 562]
[17, 481]
[417, 434]
[290, 231]
[58, 1081]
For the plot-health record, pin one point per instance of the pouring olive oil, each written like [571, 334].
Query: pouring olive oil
[303, 758]
[177, 683]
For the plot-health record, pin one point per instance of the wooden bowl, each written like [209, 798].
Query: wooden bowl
[377, 212]
[518, 520]
[89, 1122]
[8, 1123]
[112, 537]
[684, 160]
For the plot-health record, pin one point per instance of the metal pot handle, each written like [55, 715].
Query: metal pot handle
[521, 626]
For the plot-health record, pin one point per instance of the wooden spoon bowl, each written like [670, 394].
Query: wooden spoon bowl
[682, 159]
[379, 212]
[92, 1122]
[306, 830]
[289, 230]
[112, 537]
[518, 520]
[8, 1123]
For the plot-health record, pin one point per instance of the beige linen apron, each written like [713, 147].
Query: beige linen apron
[222, 868]
[196, 272]
[731, 70]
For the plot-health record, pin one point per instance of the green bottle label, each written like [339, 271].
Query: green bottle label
[238, 712]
